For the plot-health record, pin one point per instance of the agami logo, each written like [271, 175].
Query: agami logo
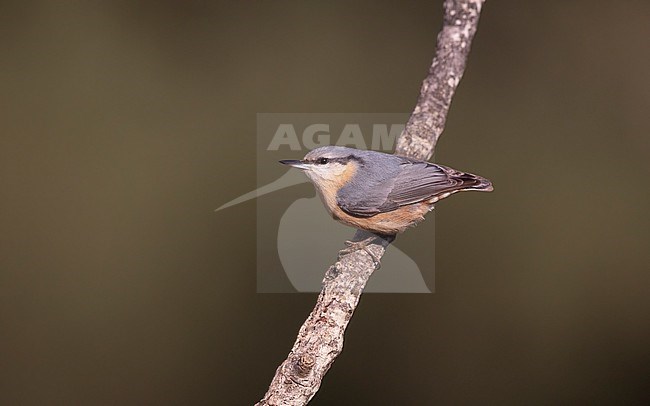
[296, 239]
[318, 135]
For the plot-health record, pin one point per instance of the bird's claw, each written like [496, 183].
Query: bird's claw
[353, 246]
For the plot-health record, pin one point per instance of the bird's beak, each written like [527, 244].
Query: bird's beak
[295, 163]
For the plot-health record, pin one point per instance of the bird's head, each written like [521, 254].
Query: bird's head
[328, 165]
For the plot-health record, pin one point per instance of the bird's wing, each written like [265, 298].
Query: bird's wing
[416, 181]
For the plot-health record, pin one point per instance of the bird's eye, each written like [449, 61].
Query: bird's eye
[322, 161]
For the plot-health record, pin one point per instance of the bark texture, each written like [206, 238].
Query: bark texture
[427, 121]
[320, 339]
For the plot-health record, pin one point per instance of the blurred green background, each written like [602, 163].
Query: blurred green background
[123, 124]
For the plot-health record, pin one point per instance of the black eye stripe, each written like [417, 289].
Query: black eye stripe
[343, 160]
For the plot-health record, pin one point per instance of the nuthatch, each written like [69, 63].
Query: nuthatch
[381, 193]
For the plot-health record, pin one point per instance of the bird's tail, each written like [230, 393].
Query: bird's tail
[460, 181]
[468, 181]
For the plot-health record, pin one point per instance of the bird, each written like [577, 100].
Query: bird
[381, 193]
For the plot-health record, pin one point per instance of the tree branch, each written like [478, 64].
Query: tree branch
[430, 113]
[320, 339]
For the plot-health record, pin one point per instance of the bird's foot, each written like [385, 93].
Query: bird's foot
[353, 246]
